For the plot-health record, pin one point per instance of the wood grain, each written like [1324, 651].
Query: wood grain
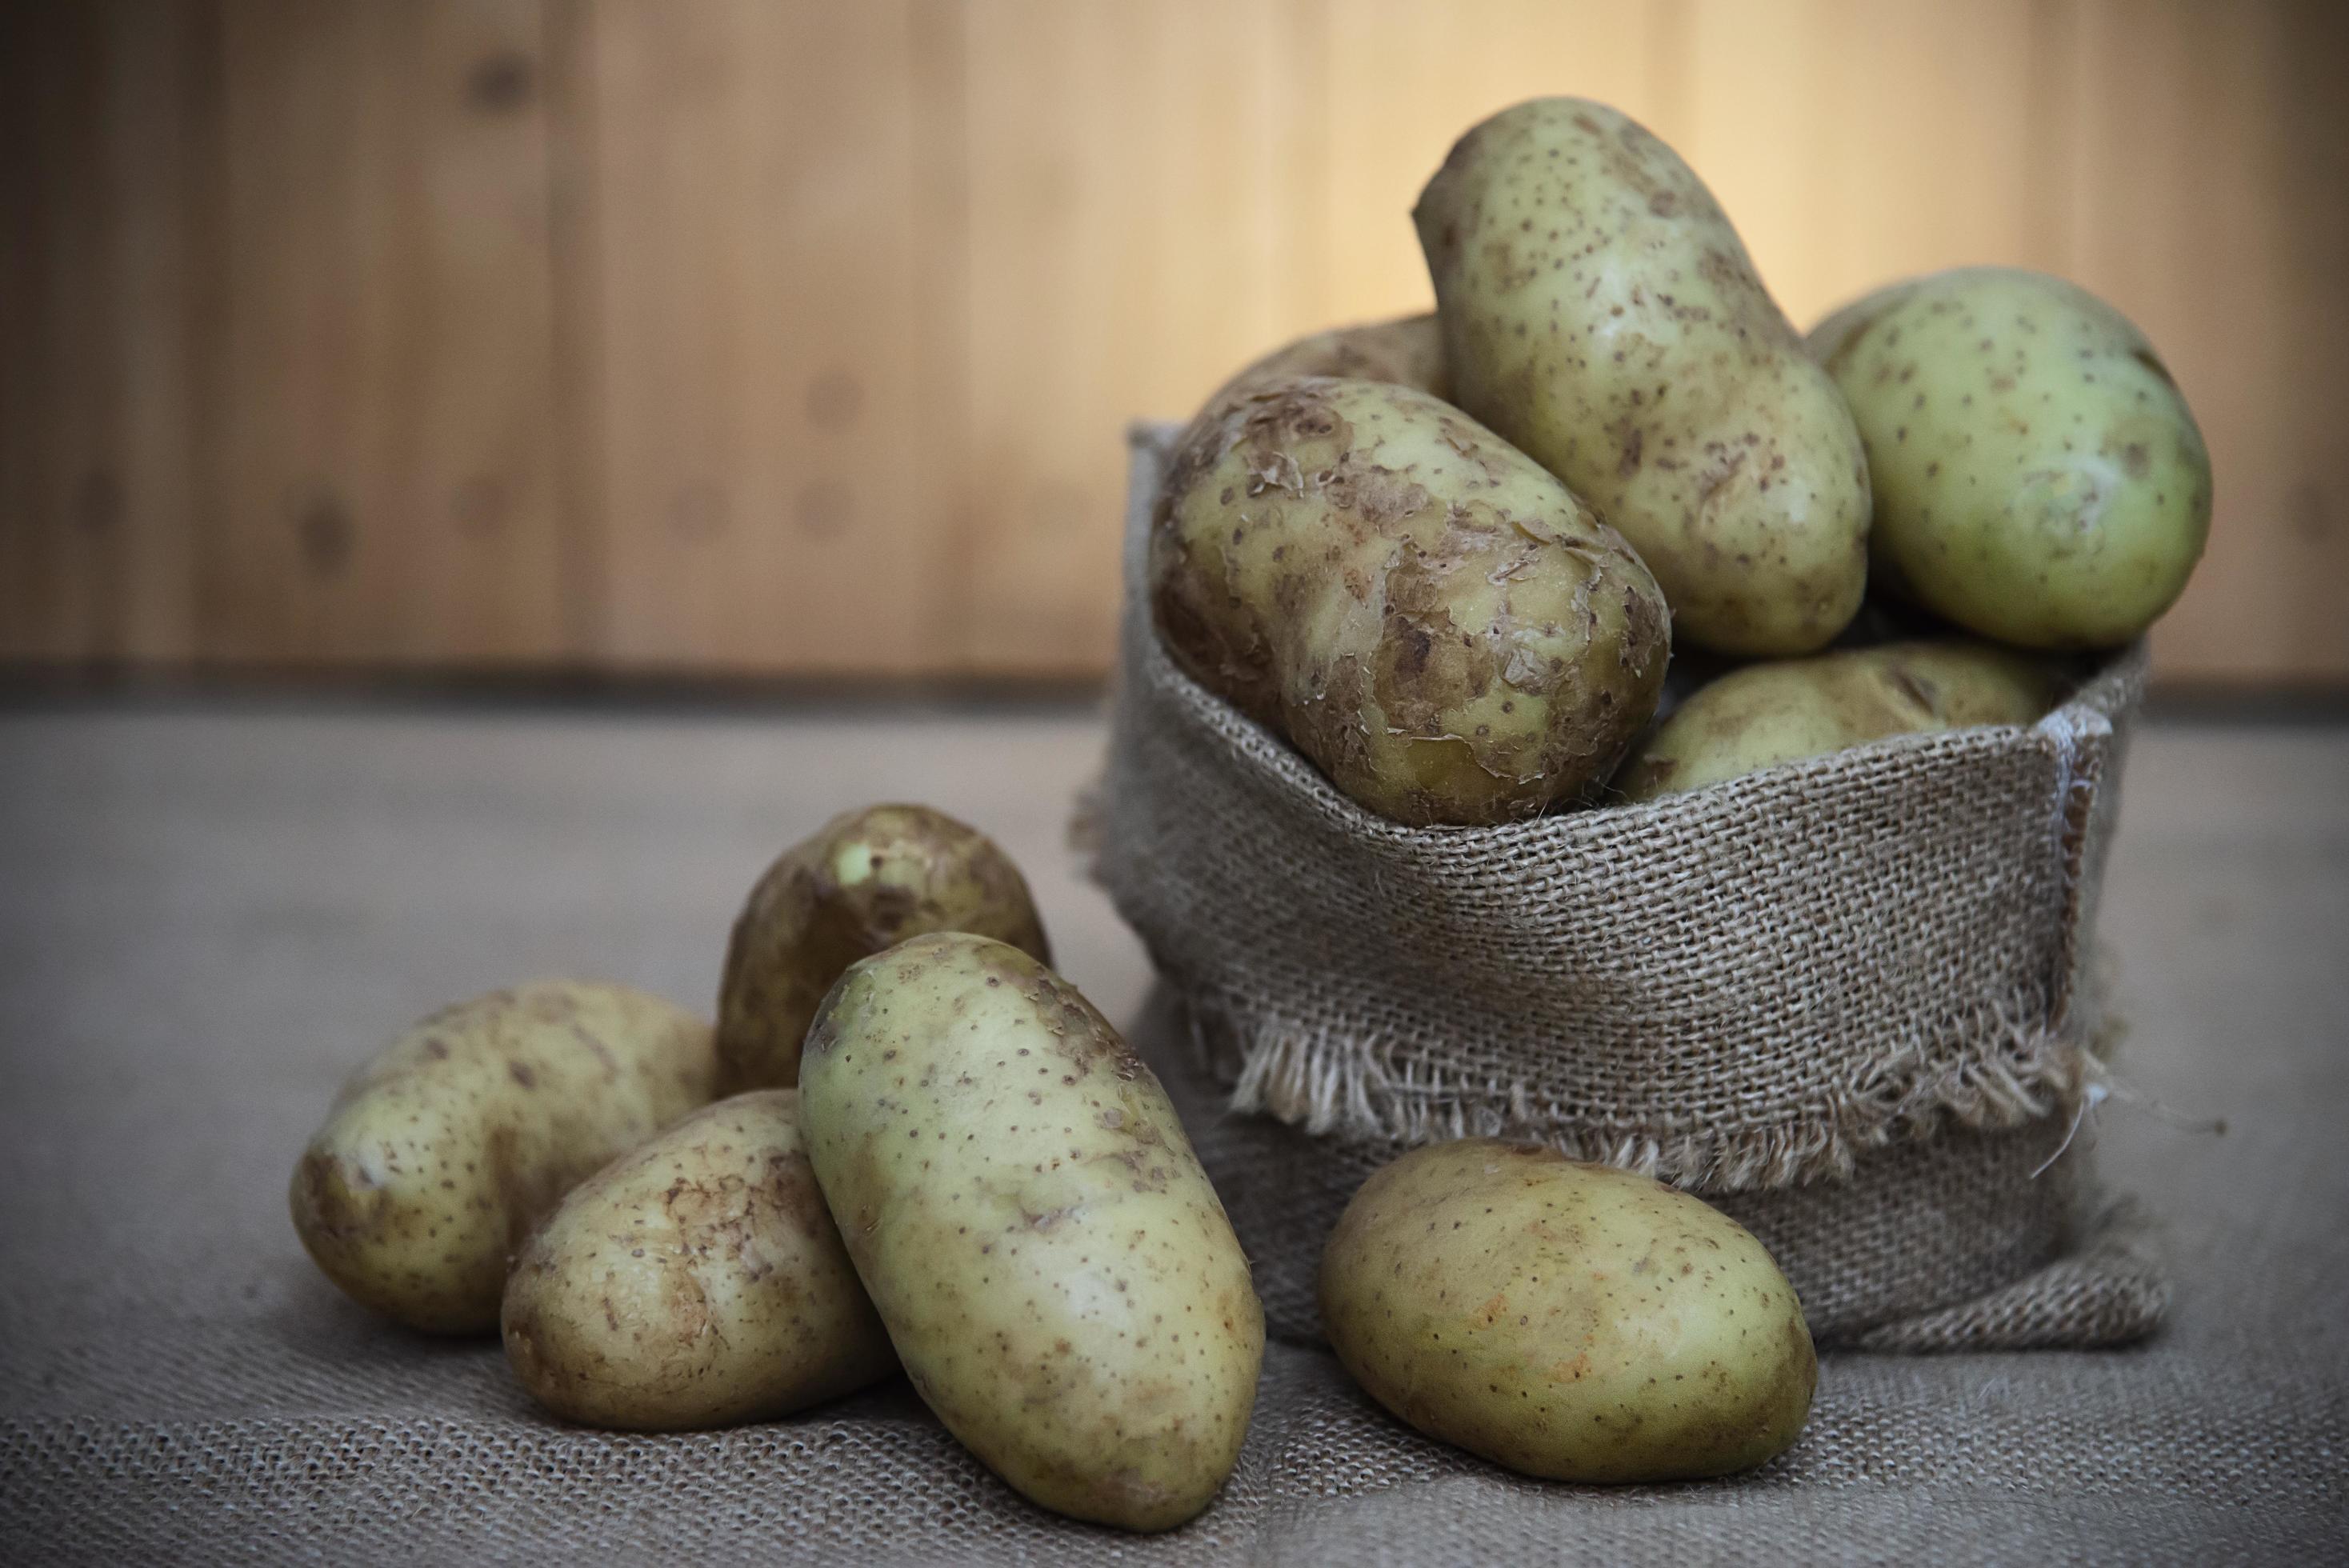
[106, 274]
[1145, 216]
[774, 469]
[388, 490]
[2209, 151]
[1855, 143]
[53, 376]
[785, 336]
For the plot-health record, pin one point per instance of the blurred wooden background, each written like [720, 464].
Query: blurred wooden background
[796, 337]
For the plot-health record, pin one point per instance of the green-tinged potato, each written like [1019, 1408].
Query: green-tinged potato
[1431, 619]
[1057, 1273]
[1776, 712]
[696, 1281]
[1570, 1321]
[1408, 353]
[441, 1153]
[1598, 311]
[2038, 476]
[864, 881]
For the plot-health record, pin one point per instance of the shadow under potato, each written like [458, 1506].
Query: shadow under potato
[333, 1356]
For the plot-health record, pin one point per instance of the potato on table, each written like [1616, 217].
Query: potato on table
[1566, 1320]
[865, 880]
[696, 1282]
[1437, 623]
[1054, 1269]
[2038, 476]
[1789, 709]
[441, 1153]
[1598, 311]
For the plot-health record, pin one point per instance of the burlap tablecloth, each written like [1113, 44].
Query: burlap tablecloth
[207, 916]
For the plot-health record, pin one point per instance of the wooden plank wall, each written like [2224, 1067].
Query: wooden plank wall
[789, 336]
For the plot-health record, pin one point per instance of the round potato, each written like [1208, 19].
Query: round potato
[441, 1153]
[694, 1282]
[1598, 311]
[866, 880]
[1437, 623]
[1568, 1321]
[1789, 709]
[1408, 351]
[2038, 476]
[1057, 1274]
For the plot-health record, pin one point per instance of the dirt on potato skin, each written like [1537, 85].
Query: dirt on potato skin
[802, 925]
[1442, 628]
[1054, 1266]
[443, 1150]
[695, 1283]
[1599, 310]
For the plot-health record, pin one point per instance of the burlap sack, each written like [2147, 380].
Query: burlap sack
[1846, 998]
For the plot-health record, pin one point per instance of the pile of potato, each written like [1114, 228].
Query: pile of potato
[1448, 558]
[1444, 557]
[949, 1162]
[936, 1155]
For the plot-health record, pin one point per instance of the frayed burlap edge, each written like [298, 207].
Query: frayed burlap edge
[2038, 1259]
[1991, 1066]
[1352, 1089]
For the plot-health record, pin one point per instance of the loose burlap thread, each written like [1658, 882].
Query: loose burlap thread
[1848, 999]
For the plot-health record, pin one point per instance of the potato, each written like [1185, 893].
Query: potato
[441, 1153]
[1408, 353]
[2038, 477]
[865, 880]
[1598, 311]
[1434, 621]
[696, 1281]
[1566, 1320]
[1055, 1271]
[1788, 708]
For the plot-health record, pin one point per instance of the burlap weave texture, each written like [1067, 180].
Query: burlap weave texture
[1846, 997]
[208, 911]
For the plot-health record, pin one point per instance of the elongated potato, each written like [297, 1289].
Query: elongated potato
[1598, 311]
[1788, 708]
[1408, 351]
[1055, 1271]
[2038, 476]
[1566, 1320]
[441, 1153]
[1435, 622]
[696, 1281]
[865, 880]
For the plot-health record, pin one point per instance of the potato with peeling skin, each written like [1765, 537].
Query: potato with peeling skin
[1408, 351]
[1435, 621]
[1600, 311]
[441, 1153]
[1790, 708]
[696, 1282]
[2038, 476]
[1054, 1269]
[1570, 1321]
[865, 880]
